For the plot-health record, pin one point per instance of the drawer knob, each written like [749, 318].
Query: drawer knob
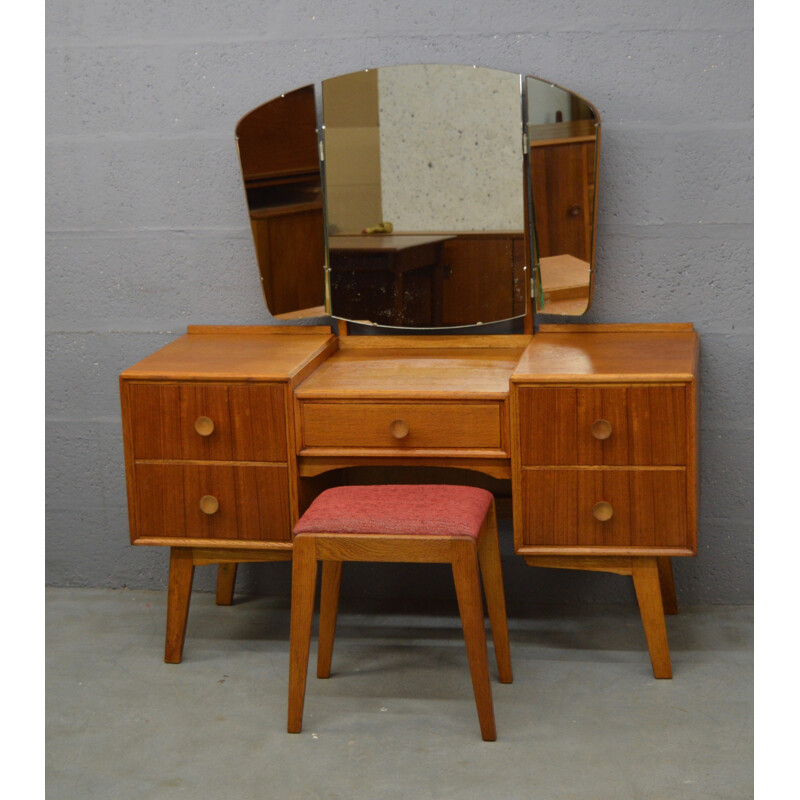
[399, 429]
[209, 504]
[204, 426]
[601, 429]
[602, 511]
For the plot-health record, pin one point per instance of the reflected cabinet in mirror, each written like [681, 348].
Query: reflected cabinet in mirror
[280, 168]
[423, 196]
[564, 141]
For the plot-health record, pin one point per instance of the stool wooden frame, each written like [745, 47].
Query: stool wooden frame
[468, 558]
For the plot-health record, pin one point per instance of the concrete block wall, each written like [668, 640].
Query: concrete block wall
[147, 228]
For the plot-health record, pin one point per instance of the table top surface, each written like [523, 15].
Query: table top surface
[610, 353]
[383, 242]
[244, 353]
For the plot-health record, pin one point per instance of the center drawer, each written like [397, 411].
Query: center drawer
[392, 425]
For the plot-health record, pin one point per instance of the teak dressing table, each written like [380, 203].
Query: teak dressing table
[230, 432]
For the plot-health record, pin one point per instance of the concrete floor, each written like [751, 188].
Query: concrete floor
[584, 717]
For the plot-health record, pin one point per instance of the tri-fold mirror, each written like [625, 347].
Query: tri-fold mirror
[423, 196]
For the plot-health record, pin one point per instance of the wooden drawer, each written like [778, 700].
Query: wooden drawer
[389, 426]
[648, 508]
[171, 421]
[644, 425]
[253, 502]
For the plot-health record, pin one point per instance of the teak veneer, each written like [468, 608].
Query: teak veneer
[604, 443]
[209, 440]
[230, 432]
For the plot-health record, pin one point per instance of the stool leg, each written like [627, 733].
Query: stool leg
[470, 605]
[226, 583]
[304, 579]
[328, 609]
[179, 593]
[492, 575]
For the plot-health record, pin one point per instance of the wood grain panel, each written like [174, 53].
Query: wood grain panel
[280, 136]
[657, 420]
[649, 508]
[249, 421]
[293, 236]
[562, 175]
[648, 425]
[625, 353]
[253, 502]
[395, 367]
[479, 279]
[430, 425]
[236, 354]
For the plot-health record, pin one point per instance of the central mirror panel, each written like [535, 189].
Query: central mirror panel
[424, 184]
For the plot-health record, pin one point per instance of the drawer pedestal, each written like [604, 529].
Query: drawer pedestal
[604, 458]
[209, 452]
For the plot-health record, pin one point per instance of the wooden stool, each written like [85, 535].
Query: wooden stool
[424, 524]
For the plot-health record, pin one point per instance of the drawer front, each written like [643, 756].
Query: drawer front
[603, 426]
[212, 502]
[208, 422]
[473, 426]
[571, 507]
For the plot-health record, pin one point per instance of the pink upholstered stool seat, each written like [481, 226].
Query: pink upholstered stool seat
[423, 510]
[419, 523]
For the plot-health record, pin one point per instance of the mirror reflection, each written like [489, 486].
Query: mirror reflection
[424, 178]
[280, 167]
[563, 131]
[440, 185]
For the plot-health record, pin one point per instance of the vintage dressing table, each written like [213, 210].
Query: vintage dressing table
[230, 432]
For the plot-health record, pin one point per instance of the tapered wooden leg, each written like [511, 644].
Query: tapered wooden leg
[179, 593]
[470, 605]
[492, 575]
[668, 596]
[226, 582]
[304, 580]
[328, 608]
[648, 592]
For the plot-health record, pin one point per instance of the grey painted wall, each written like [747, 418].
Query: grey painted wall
[147, 228]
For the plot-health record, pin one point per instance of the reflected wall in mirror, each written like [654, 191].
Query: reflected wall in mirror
[424, 195]
[279, 156]
[434, 205]
[563, 134]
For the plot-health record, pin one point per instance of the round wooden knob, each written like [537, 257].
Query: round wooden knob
[574, 211]
[399, 429]
[602, 511]
[209, 504]
[601, 429]
[204, 426]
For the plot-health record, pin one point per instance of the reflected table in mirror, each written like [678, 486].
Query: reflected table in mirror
[388, 279]
[565, 285]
